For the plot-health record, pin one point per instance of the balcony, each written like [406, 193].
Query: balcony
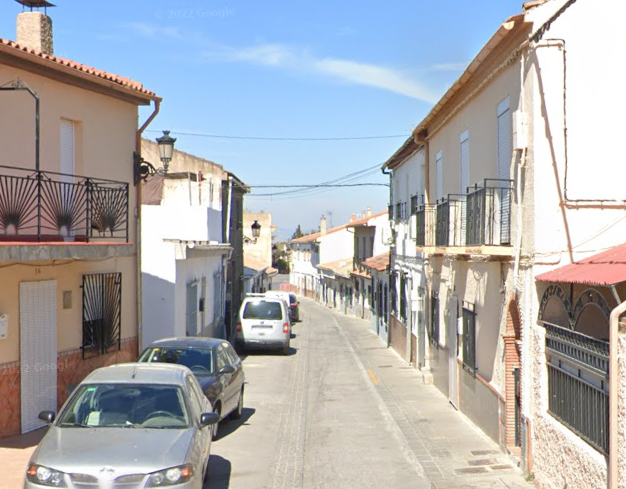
[426, 217]
[38, 207]
[489, 213]
[450, 230]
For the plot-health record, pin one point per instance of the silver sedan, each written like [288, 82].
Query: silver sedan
[130, 426]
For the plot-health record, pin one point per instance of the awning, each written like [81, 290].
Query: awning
[606, 268]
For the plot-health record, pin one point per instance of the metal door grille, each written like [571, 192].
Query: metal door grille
[102, 313]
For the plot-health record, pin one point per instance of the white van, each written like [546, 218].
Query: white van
[263, 323]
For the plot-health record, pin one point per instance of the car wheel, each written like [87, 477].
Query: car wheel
[236, 414]
[285, 349]
[216, 426]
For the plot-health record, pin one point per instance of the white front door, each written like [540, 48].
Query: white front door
[38, 351]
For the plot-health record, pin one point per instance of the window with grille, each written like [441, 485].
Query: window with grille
[393, 293]
[469, 337]
[403, 302]
[434, 319]
[102, 313]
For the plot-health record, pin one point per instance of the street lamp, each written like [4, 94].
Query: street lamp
[256, 232]
[143, 169]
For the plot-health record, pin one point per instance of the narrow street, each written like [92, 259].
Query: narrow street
[339, 412]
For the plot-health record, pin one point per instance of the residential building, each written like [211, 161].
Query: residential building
[376, 269]
[371, 238]
[508, 195]
[303, 261]
[184, 255]
[233, 192]
[257, 253]
[68, 257]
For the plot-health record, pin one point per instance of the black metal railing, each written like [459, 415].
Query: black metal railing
[42, 206]
[450, 230]
[102, 313]
[414, 204]
[578, 374]
[489, 212]
[426, 224]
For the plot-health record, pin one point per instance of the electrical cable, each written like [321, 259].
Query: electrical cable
[260, 138]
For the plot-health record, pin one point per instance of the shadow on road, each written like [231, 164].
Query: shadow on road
[231, 425]
[219, 473]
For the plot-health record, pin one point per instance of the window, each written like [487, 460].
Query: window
[394, 293]
[222, 358]
[102, 313]
[578, 377]
[469, 337]
[434, 319]
[403, 301]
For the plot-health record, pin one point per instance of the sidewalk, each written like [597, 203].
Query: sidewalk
[14, 455]
[452, 450]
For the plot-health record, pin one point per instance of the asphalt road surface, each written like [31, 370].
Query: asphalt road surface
[312, 419]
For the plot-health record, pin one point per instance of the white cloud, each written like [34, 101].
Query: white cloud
[450, 67]
[375, 76]
[287, 57]
[144, 29]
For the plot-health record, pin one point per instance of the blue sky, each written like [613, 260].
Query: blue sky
[300, 69]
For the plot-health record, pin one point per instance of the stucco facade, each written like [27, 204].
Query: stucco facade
[68, 264]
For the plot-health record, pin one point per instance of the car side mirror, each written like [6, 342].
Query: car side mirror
[207, 419]
[227, 369]
[47, 416]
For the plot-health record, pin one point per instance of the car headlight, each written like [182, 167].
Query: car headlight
[45, 476]
[171, 476]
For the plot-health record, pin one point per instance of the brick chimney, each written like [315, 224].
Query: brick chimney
[323, 226]
[34, 31]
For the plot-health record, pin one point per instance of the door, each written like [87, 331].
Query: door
[38, 351]
[453, 368]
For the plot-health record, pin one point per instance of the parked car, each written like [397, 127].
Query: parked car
[127, 425]
[264, 323]
[291, 301]
[215, 364]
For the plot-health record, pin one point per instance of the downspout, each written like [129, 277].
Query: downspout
[613, 395]
[157, 106]
[391, 256]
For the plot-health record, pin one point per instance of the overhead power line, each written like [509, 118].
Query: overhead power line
[324, 186]
[260, 138]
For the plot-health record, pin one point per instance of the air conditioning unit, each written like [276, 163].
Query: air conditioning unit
[388, 235]
[519, 130]
[413, 227]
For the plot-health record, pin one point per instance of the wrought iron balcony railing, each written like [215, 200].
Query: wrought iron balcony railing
[426, 223]
[489, 213]
[50, 206]
[451, 213]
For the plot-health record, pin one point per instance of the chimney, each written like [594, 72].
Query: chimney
[323, 226]
[34, 31]
[369, 211]
[353, 218]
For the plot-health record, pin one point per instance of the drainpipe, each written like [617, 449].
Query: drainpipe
[157, 106]
[613, 395]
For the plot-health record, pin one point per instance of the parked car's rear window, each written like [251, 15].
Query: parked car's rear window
[269, 310]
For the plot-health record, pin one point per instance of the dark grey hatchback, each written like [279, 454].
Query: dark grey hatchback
[214, 363]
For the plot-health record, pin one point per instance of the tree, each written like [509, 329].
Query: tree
[298, 233]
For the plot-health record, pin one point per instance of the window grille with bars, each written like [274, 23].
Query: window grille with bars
[434, 319]
[578, 378]
[469, 337]
[102, 313]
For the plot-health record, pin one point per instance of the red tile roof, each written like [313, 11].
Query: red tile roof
[378, 262]
[339, 267]
[606, 268]
[55, 62]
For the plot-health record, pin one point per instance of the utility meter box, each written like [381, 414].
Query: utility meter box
[4, 326]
